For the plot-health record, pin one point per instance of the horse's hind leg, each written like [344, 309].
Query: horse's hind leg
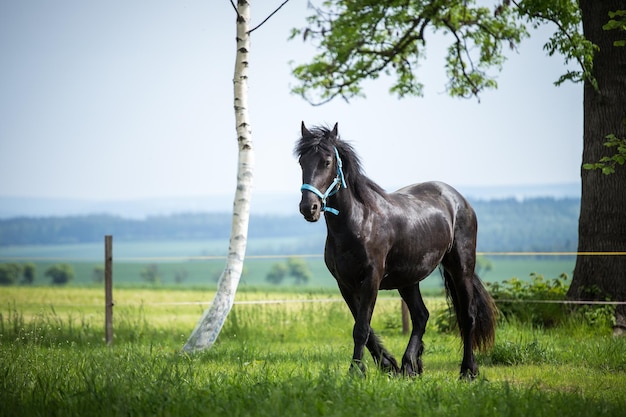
[412, 361]
[458, 276]
[383, 359]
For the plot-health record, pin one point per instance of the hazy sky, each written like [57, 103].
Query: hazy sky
[133, 99]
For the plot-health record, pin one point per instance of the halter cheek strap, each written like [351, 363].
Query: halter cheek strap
[332, 189]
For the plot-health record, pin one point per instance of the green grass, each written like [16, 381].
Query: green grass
[281, 359]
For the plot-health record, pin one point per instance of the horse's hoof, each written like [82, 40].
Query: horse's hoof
[411, 373]
[413, 369]
[389, 365]
[357, 368]
[468, 375]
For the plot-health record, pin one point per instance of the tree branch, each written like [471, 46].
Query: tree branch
[234, 7]
[561, 28]
[267, 18]
[459, 47]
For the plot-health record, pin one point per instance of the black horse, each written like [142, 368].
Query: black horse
[378, 240]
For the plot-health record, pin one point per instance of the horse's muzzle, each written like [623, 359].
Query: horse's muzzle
[310, 206]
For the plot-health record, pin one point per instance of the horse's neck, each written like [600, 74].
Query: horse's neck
[351, 210]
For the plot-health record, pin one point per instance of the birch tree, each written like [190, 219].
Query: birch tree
[212, 321]
[210, 324]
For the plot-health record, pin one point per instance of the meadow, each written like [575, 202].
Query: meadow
[287, 357]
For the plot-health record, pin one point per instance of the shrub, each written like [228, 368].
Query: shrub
[28, 273]
[150, 273]
[529, 302]
[522, 301]
[9, 273]
[60, 274]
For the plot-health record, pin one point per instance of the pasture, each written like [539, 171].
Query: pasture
[286, 358]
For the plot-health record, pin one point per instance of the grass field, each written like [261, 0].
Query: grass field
[281, 359]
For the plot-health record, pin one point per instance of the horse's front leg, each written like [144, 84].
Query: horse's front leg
[383, 359]
[362, 320]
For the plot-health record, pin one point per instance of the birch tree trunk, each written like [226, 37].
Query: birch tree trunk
[209, 326]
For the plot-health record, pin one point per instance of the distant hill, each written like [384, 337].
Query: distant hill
[262, 203]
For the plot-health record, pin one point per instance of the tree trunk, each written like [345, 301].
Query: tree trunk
[209, 326]
[602, 223]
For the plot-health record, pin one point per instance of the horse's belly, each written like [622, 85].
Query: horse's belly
[409, 270]
[394, 281]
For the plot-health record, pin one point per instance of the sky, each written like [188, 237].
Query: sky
[120, 100]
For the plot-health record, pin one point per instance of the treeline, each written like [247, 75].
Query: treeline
[186, 226]
[539, 224]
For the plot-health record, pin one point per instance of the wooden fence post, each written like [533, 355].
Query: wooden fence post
[108, 289]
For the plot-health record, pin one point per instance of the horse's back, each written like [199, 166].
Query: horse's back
[436, 193]
[440, 195]
[431, 189]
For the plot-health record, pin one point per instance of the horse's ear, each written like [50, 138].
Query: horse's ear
[335, 131]
[305, 131]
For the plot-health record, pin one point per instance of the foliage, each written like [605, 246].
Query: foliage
[29, 271]
[568, 39]
[521, 301]
[617, 21]
[9, 273]
[277, 273]
[14, 273]
[60, 274]
[529, 302]
[295, 267]
[150, 274]
[443, 320]
[299, 270]
[608, 163]
[362, 40]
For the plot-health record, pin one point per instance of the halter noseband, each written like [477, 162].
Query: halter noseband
[332, 189]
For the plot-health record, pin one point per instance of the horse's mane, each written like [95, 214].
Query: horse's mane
[322, 139]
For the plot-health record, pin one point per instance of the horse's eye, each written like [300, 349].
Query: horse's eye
[328, 163]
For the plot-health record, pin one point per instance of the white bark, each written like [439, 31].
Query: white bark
[210, 325]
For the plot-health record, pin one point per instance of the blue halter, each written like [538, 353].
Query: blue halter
[333, 188]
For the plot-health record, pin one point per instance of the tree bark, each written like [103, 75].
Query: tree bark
[212, 321]
[602, 222]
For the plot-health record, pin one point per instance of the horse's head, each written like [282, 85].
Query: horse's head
[322, 175]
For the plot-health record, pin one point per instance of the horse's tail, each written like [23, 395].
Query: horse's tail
[486, 316]
[484, 308]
